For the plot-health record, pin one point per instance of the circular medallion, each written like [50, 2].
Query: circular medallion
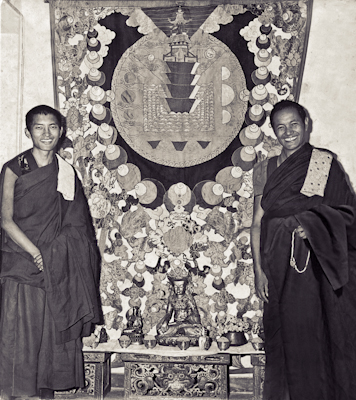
[176, 102]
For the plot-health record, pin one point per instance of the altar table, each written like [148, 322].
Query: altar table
[169, 372]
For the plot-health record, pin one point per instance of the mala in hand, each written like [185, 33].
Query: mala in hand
[292, 261]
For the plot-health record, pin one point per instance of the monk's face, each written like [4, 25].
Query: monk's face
[44, 132]
[290, 129]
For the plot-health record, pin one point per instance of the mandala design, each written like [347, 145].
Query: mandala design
[175, 103]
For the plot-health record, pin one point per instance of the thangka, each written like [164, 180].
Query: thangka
[167, 110]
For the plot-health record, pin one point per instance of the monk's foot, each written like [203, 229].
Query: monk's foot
[46, 394]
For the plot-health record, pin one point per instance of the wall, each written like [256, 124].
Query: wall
[37, 72]
[11, 62]
[329, 82]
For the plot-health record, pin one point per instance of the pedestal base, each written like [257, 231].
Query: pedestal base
[97, 374]
[173, 340]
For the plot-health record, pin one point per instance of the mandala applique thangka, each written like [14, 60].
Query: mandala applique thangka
[167, 110]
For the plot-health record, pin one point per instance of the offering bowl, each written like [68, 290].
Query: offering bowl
[257, 345]
[149, 341]
[223, 343]
[124, 341]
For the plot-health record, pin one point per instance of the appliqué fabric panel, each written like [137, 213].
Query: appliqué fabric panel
[318, 173]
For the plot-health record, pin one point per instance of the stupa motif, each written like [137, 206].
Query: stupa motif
[182, 65]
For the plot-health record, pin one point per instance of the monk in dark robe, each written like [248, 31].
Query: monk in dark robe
[49, 272]
[303, 243]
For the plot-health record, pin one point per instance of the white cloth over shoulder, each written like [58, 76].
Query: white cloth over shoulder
[66, 179]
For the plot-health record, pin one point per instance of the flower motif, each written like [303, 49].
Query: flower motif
[120, 271]
[220, 301]
[233, 324]
[293, 59]
[216, 253]
[247, 277]
[76, 71]
[122, 252]
[178, 240]
[77, 117]
[133, 222]
[140, 246]
[198, 285]
[113, 320]
[272, 146]
[229, 201]
[134, 292]
[99, 205]
[165, 225]
[74, 119]
[303, 8]
[155, 308]
[155, 239]
[196, 248]
[82, 147]
[223, 224]
[268, 15]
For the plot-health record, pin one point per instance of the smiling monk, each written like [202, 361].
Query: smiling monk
[303, 241]
[49, 273]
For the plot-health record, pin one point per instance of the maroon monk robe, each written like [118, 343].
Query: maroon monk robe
[310, 319]
[51, 310]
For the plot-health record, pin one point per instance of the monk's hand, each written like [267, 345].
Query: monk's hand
[300, 232]
[261, 284]
[37, 259]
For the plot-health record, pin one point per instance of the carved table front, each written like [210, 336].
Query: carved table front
[148, 376]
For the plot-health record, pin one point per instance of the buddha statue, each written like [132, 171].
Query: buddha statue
[134, 325]
[183, 309]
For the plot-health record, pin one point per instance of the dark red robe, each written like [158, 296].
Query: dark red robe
[310, 319]
[45, 314]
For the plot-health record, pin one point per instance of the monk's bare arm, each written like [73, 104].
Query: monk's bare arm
[8, 224]
[261, 282]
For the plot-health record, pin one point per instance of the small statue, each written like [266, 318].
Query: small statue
[204, 342]
[134, 325]
[182, 307]
[100, 336]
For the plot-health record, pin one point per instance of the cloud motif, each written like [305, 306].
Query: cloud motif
[105, 37]
[142, 21]
[251, 31]
[222, 15]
